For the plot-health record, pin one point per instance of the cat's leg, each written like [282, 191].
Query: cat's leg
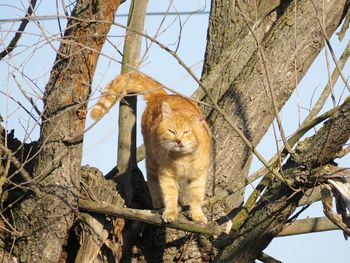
[169, 187]
[197, 189]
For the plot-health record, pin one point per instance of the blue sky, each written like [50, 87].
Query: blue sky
[33, 61]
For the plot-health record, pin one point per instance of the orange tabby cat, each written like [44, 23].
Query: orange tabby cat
[176, 138]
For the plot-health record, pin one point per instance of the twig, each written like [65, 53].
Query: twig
[21, 105]
[327, 89]
[344, 28]
[19, 32]
[330, 47]
[26, 96]
[330, 83]
[292, 141]
[25, 175]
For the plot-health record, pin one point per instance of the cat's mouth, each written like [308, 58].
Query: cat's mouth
[182, 149]
[178, 147]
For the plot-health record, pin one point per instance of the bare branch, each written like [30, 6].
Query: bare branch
[263, 257]
[26, 96]
[344, 28]
[308, 225]
[327, 89]
[330, 47]
[25, 175]
[20, 30]
[147, 216]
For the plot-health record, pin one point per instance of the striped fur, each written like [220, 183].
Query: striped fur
[127, 83]
[177, 142]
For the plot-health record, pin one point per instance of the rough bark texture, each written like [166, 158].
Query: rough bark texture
[279, 201]
[127, 111]
[44, 220]
[93, 229]
[130, 181]
[234, 74]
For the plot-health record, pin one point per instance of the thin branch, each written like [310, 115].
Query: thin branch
[30, 99]
[330, 83]
[18, 34]
[292, 141]
[25, 175]
[327, 89]
[265, 258]
[20, 105]
[330, 47]
[148, 216]
[344, 28]
[308, 225]
[263, 171]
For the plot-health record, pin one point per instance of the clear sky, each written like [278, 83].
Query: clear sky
[34, 58]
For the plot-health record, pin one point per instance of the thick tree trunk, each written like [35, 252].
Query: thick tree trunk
[279, 201]
[44, 219]
[234, 74]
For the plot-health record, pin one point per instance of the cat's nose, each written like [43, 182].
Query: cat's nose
[178, 141]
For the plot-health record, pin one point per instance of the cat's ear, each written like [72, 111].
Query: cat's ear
[166, 111]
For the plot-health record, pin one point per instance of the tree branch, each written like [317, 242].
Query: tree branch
[19, 32]
[263, 257]
[65, 106]
[147, 216]
[308, 225]
[278, 201]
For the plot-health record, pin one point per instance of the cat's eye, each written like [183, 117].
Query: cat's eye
[186, 132]
[172, 131]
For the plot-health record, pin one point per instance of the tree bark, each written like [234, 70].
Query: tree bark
[234, 74]
[130, 181]
[126, 162]
[44, 219]
[279, 201]
[239, 33]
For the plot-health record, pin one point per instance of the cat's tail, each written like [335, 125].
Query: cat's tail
[127, 83]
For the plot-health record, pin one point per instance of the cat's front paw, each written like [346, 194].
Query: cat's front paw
[170, 215]
[199, 216]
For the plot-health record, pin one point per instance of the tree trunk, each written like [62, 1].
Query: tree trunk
[279, 201]
[254, 49]
[234, 74]
[44, 219]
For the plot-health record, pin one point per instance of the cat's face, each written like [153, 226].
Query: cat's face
[177, 133]
[178, 137]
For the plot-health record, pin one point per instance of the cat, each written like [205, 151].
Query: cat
[176, 138]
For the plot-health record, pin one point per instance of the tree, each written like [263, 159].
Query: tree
[257, 51]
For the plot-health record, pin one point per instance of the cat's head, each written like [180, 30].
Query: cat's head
[178, 131]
